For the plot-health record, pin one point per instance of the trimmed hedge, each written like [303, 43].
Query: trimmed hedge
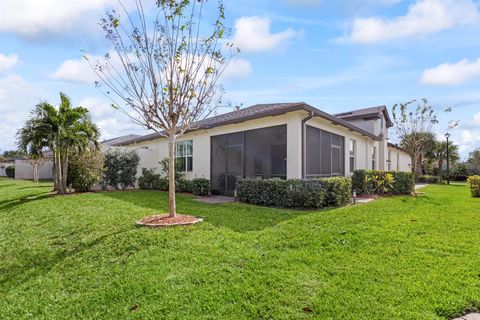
[338, 191]
[295, 193]
[365, 181]
[149, 180]
[10, 171]
[474, 184]
[201, 187]
[183, 185]
[429, 179]
[402, 183]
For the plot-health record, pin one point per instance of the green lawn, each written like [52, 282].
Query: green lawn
[81, 257]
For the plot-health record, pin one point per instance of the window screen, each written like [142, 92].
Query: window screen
[325, 153]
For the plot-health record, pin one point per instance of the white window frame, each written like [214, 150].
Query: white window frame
[182, 151]
[374, 157]
[352, 154]
[389, 161]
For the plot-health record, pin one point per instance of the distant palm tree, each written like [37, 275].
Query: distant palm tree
[439, 154]
[63, 131]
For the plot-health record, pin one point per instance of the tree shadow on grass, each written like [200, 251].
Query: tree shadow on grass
[7, 185]
[237, 216]
[38, 267]
[12, 203]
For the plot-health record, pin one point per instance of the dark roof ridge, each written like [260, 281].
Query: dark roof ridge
[259, 111]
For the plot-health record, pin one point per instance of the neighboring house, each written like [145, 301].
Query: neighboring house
[282, 140]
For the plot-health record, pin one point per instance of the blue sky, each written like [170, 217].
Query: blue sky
[335, 55]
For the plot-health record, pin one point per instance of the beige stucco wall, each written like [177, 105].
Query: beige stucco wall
[24, 170]
[400, 160]
[201, 143]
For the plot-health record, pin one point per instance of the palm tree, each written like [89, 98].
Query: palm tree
[439, 154]
[63, 131]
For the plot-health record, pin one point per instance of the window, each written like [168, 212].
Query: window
[389, 160]
[353, 154]
[374, 158]
[184, 155]
[398, 161]
[325, 153]
[381, 122]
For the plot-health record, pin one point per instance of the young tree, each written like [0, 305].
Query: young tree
[165, 71]
[36, 160]
[63, 131]
[414, 129]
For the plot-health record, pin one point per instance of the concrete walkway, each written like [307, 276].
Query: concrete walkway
[215, 199]
[470, 316]
[420, 185]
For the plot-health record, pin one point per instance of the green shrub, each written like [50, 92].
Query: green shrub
[10, 171]
[120, 168]
[183, 185]
[429, 179]
[85, 169]
[295, 193]
[382, 182]
[338, 191]
[292, 193]
[402, 182]
[149, 180]
[200, 186]
[474, 184]
[358, 181]
[178, 163]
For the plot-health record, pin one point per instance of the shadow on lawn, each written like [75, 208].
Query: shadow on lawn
[36, 267]
[12, 203]
[238, 217]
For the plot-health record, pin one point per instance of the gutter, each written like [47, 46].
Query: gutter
[304, 121]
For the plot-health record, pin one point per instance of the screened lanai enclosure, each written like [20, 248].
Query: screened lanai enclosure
[325, 153]
[259, 153]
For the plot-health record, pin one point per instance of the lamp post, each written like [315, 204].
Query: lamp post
[447, 135]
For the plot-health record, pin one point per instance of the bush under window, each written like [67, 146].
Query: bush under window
[295, 193]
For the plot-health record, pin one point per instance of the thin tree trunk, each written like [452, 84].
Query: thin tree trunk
[58, 161]
[54, 173]
[65, 171]
[171, 176]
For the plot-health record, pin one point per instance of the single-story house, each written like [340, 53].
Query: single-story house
[281, 140]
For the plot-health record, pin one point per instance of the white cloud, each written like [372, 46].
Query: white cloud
[476, 119]
[80, 71]
[8, 62]
[31, 17]
[254, 34]
[423, 17]
[452, 73]
[237, 68]
[77, 70]
[308, 3]
[17, 98]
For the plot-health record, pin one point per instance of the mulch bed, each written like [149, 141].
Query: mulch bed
[157, 221]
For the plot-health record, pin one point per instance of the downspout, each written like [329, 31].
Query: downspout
[310, 116]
